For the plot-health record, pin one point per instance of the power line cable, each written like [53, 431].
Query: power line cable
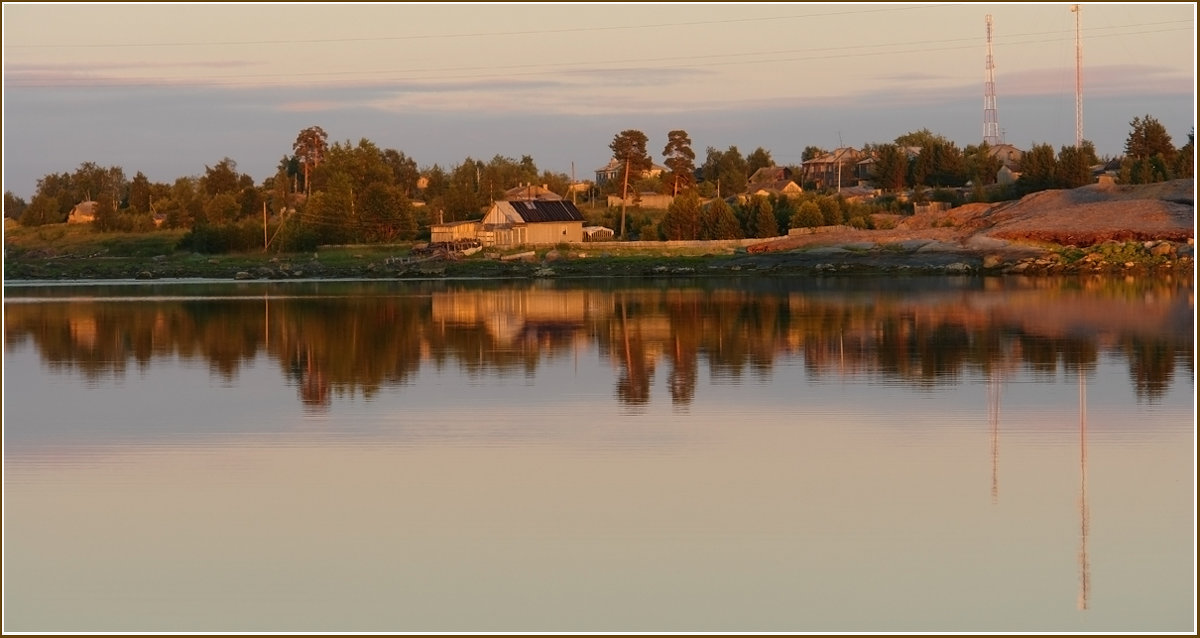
[440, 74]
[294, 42]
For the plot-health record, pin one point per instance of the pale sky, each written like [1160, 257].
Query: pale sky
[169, 89]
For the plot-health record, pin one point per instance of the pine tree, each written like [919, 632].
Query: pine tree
[629, 148]
[682, 220]
[764, 218]
[681, 159]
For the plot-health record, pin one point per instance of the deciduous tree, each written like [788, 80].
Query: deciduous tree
[1185, 160]
[812, 152]
[223, 178]
[310, 147]
[464, 199]
[44, 209]
[727, 169]
[760, 158]
[981, 165]
[13, 206]
[405, 174]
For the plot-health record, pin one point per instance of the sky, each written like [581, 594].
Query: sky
[170, 89]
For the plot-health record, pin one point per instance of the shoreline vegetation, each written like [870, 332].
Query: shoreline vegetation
[1093, 229]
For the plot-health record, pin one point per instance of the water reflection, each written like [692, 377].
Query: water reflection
[819, 455]
[1085, 577]
[349, 338]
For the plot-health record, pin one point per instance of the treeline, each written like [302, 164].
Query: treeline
[320, 194]
[343, 193]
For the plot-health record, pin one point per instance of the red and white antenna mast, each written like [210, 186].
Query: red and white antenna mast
[991, 127]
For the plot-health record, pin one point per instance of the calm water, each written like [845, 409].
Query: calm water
[775, 455]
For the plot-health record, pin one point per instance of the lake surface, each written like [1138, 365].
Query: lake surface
[791, 455]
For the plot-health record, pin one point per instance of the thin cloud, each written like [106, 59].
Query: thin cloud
[100, 67]
[106, 74]
[590, 92]
[1117, 79]
[911, 77]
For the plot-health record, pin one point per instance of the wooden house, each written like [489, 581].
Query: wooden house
[615, 169]
[531, 191]
[770, 175]
[531, 222]
[834, 170]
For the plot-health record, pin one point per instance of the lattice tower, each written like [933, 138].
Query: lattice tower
[991, 127]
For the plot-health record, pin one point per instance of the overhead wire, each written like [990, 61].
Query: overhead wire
[440, 74]
[477, 34]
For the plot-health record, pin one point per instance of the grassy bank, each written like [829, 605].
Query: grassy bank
[65, 252]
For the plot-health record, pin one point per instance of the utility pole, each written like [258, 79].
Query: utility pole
[624, 198]
[1078, 80]
[265, 240]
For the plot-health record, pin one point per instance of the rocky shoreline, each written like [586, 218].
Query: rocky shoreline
[914, 257]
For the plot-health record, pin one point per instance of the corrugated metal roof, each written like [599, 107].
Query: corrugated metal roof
[544, 211]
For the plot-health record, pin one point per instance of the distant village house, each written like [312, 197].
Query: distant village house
[83, 213]
[615, 170]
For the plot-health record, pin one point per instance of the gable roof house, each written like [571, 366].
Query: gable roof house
[782, 187]
[834, 169]
[82, 213]
[864, 170]
[1006, 176]
[1008, 155]
[770, 174]
[534, 222]
[772, 180]
[615, 170]
[531, 191]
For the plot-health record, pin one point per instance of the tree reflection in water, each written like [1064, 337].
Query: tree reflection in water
[367, 336]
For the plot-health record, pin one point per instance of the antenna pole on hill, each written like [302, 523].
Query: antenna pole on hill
[1078, 80]
[991, 126]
